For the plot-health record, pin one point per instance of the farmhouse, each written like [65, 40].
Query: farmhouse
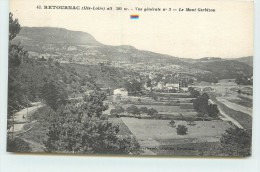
[173, 86]
[121, 91]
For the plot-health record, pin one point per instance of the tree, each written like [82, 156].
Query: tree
[236, 142]
[181, 116]
[202, 116]
[117, 110]
[190, 81]
[15, 51]
[53, 96]
[14, 27]
[113, 112]
[133, 86]
[203, 108]
[213, 111]
[85, 130]
[182, 130]
[243, 80]
[172, 123]
[194, 93]
[133, 110]
[190, 121]
[149, 82]
[93, 104]
[200, 104]
[15, 55]
[152, 112]
[143, 110]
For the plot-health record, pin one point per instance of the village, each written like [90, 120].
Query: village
[148, 113]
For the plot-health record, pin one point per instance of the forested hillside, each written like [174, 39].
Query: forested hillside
[225, 69]
[104, 76]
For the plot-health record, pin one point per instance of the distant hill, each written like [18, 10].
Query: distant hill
[247, 60]
[76, 46]
[55, 35]
[38, 38]
[225, 69]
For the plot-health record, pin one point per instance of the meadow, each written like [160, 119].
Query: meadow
[153, 132]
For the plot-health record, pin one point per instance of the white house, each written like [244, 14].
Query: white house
[121, 91]
[171, 86]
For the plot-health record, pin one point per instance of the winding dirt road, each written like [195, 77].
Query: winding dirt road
[21, 117]
[226, 117]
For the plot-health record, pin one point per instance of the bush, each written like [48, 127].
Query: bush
[182, 130]
[172, 123]
[133, 110]
[190, 121]
[152, 112]
[236, 142]
[143, 110]
[114, 113]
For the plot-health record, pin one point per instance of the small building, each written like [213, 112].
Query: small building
[185, 89]
[121, 92]
[173, 86]
[72, 48]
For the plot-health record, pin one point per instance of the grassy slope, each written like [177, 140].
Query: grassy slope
[244, 119]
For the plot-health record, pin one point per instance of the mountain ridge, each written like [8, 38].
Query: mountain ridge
[82, 47]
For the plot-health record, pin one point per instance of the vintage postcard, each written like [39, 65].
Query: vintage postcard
[135, 78]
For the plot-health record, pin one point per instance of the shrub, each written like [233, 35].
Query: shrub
[143, 109]
[182, 130]
[236, 142]
[152, 112]
[172, 123]
[133, 110]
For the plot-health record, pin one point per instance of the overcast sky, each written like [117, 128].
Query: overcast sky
[227, 33]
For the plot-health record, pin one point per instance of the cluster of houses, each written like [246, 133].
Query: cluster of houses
[168, 87]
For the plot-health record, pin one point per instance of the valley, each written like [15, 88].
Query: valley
[164, 105]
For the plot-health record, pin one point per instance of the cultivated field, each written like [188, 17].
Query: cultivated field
[152, 133]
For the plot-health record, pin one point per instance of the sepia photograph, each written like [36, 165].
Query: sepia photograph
[161, 78]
